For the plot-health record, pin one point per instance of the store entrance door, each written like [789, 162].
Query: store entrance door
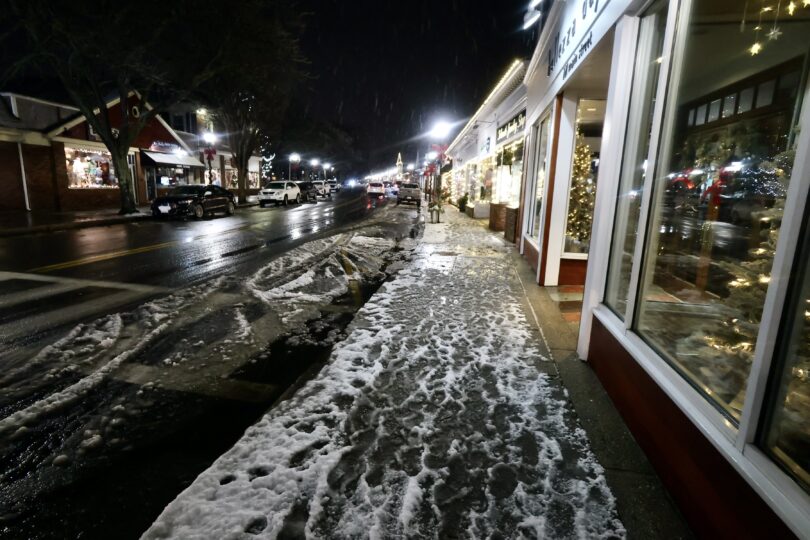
[570, 207]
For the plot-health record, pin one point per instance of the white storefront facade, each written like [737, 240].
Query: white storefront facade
[667, 173]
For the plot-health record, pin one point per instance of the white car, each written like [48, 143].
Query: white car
[323, 188]
[376, 189]
[334, 187]
[279, 193]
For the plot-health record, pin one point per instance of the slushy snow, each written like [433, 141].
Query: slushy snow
[437, 417]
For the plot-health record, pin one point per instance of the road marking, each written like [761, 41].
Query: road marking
[137, 287]
[102, 257]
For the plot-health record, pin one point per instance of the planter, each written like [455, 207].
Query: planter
[497, 216]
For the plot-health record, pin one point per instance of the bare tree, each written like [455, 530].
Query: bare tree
[264, 67]
[101, 50]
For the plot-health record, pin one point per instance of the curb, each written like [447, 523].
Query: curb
[53, 227]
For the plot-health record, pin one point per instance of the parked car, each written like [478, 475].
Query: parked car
[334, 187]
[323, 188]
[410, 193]
[375, 189]
[744, 196]
[279, 193]
[309, 191]
[194, 200]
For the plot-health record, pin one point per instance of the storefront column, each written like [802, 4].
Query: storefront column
[556, 193]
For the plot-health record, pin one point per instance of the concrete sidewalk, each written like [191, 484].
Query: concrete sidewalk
[453, 409]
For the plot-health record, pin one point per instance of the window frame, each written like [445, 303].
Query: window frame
[737, 444]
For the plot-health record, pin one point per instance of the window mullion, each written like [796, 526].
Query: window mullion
[786, 246]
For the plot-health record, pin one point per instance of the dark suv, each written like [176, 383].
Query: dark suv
[309, 191]
[194, 200]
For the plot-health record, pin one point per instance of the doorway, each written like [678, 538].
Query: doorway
[572, 193]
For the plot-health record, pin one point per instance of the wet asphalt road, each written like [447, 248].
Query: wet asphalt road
[175, 356]
[50, 281]
[172, 253]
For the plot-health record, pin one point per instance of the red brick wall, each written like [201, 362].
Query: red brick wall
[572, 272]
[153, 131]
[11, 191]
[715, 500]
[39, 173]
[530, 254]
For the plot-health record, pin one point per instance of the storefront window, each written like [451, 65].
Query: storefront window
[508, 176]
[232, 179]
[88, 168]
[540, 176]
[719, 194]
[584, 170]
[636, 147]
[485, 174]
[787, 429]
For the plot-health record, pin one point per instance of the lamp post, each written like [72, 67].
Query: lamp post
[314, 163]
[294, 158]
[326, 167]
[210, 140]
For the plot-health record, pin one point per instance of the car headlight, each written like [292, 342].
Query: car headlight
[185, 201]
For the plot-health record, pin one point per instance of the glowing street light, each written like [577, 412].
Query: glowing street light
[294, 158]
[431, 156]
[410, 166]
[440, 130]
[209, 137]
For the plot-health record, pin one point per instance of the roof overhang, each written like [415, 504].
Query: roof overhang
[174, 160]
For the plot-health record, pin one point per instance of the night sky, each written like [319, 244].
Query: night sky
[385, 71]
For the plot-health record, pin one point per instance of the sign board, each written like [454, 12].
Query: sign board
[514, 125]
[572, 37]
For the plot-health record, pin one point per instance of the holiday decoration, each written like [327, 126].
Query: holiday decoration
[721, 359]
[582, 195]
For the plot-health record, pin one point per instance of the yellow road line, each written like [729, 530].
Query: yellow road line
[103, 257]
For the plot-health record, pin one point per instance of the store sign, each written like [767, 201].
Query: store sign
[161, 146]
[574, 37]
[514, 125]
[486, 146]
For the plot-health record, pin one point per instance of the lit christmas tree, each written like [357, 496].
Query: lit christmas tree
[583, 191]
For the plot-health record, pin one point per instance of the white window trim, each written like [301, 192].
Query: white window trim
[789, 501]
[531, 195]
[613, 137]
[562, 187]
[775, 487]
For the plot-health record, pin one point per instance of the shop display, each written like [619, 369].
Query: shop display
[90, 169]
[718, 204]
[581, 199]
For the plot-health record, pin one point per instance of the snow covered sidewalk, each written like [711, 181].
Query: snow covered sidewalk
[438, 417]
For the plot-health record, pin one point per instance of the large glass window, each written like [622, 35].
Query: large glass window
[634, 161]
[786, 435]
[719, 194]
[88, 168]
[584, 171]
[541, 166]
[509, 170]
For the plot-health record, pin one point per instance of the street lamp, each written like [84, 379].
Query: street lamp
[326, 167]
[210, 139]
[294, 158]
[314, 164]
[440, 130]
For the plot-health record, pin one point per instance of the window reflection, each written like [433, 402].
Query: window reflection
[719, 197]
[636, 148]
